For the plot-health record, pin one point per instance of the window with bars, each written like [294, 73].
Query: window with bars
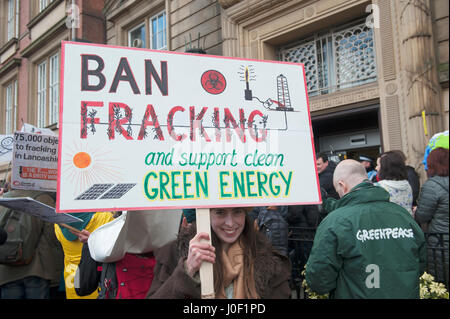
[136, 37]
[43, 4]
[11, 107]
[336, 59]
[42, 93]
[53, 86]
[48, 91]
[157, 30]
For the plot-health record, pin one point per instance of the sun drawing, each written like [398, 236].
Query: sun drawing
[84, 165]
[82, 160]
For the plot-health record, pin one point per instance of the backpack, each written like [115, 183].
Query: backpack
[87, 276]
[23, 232]
[134, 276]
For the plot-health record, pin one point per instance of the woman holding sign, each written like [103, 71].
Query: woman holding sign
[245, 264]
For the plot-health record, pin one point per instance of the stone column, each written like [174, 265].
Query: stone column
[421, 90]
[230, 44]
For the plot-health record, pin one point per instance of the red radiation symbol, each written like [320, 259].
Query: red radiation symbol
[213, 82]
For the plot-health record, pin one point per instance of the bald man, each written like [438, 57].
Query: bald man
[366, 247]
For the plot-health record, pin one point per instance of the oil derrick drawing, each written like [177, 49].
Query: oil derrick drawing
[284, 100]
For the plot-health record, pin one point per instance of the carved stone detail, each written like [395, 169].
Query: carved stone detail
[393, 122]
[228, 3]
[310, 11]
[344, 97]
[391, 88]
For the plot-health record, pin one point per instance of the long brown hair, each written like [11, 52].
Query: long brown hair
[249, 239]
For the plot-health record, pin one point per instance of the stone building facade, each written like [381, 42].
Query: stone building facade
[30, 43]
[411, 65]
[377, 71]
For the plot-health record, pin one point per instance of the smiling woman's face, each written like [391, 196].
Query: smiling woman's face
[228, 224]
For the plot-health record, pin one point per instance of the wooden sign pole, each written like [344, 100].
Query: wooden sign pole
[70, 228]
[206, 269]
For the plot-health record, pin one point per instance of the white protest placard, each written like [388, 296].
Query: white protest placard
[28, 128]
[143, 129]
[37, 209]
[35, 162]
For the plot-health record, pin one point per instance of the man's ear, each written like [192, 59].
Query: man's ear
[344, 187]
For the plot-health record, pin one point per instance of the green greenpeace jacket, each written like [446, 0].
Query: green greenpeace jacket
[367, 247]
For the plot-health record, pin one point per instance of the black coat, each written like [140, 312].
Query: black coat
[326, 180]
[303, 216]
[413, 180]
[273, 225]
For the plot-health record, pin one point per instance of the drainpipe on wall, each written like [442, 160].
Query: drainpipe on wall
[169, 33]
[73, 35]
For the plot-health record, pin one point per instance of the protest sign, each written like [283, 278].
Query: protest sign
[35, 208]
[143, 129]
[6, 148]
[35, 162]
[28, 128]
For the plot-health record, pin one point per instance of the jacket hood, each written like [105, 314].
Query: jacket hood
[399, 185]
[364, 192]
